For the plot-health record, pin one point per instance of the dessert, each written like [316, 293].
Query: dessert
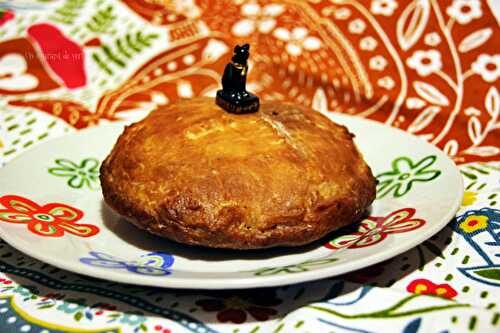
[196, 174]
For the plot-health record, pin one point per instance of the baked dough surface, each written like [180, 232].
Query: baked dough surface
[193, 173]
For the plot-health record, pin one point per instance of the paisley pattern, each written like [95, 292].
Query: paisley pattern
[428, 67]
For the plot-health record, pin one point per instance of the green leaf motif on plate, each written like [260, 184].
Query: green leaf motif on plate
[399, 181]
[298, 268]
[83, 175]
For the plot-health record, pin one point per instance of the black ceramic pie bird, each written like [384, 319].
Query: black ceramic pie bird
[233, 97]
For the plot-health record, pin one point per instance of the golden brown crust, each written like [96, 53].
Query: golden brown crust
[196, 174]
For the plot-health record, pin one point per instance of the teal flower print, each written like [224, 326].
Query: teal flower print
[85, 174]
[72, 305]
[132, 318]
[404, 174]
[27, 291]
[22, 291]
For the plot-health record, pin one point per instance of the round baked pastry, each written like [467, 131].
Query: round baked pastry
[196, 174]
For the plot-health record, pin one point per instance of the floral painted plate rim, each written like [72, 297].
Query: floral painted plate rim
[244, 278]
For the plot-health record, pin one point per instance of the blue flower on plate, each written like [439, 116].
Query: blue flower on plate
[153, 263]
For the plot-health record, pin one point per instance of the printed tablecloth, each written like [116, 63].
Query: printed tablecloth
[429, 67]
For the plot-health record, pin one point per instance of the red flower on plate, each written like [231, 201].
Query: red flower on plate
[234, 308]
[427, 287]
[373, 230]
[50, 220]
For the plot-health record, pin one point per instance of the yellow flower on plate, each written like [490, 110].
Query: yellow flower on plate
[469, 198]
[474, 223]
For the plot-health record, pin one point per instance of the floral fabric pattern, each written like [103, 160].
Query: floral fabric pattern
[235, 309]
[439, 81]
[368, 43]
[378, 63]
[50, 220]
[5, 15]
[297, 40]
[481, 230]
[474, 223]
[425, 62]
[464, 11]
[427, 287]
[257, 18]
[487, 66]
[330, 44]
[383, 7]
[469, 198]
[357, 26]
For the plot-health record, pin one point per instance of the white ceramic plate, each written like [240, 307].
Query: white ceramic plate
[51, 208]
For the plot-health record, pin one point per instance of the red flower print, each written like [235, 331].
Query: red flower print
[107, 306]
[64, 56]
[51, 220]
[234, 308]
[54, 296]
[5, 281]
[426, 287]
[159, 328]
[104, 306]
[5, 16]
[373, 230]
[94, 42]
